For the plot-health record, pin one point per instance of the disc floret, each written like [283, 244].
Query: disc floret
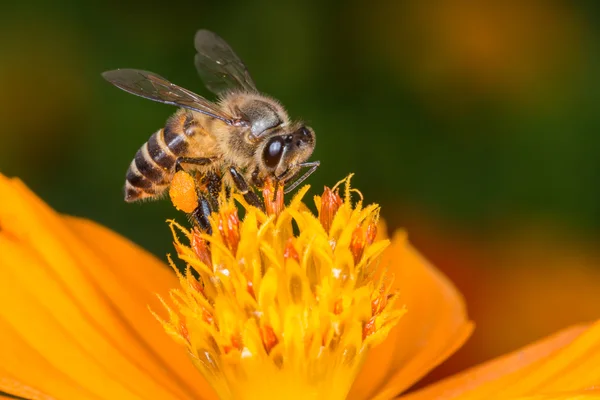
[284, 303]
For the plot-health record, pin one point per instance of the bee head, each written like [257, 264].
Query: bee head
[282, 152]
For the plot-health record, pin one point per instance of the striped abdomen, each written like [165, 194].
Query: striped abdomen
[152, 169]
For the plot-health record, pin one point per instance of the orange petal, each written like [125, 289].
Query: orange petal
[78, 314]
[566, 361]
[435, 325]
[579, 395]
[22, 360]
[4, 396]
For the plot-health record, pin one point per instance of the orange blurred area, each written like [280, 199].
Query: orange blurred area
[514, 51]
[520, 284]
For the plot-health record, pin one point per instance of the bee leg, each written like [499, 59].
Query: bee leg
[242, 186]
[312, 166]
[213, 187]
[201, 214]
[191, 160]
[257, 180]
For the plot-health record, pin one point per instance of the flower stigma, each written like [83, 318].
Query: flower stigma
[282, 303]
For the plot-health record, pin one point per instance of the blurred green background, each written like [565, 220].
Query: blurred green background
[474, 123]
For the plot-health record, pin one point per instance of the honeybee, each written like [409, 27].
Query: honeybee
[243, 138]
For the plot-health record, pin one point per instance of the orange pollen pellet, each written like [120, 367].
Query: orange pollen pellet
[183, 192]
[200, 247]
[357, 244]
[330, 204]
[369, 328]
[268, 337]
[290, 251]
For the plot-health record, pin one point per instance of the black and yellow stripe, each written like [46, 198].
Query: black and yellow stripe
[151, 170]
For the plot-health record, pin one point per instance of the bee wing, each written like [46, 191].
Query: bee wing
[155, 87]
[218, 65]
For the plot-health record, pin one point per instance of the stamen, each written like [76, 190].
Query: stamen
[330, 203]
[282, 304]
[228, 223]
[371, 233]
[269, 338]
[290, 251]
[357, 244]
[273, 196]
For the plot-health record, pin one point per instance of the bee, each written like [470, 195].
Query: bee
[241, 139]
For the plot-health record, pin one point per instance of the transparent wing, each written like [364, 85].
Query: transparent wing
[155, 87]
[219, 67]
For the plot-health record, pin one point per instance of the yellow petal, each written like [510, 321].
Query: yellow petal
[80, 296]
[565, 361]
[434, 326]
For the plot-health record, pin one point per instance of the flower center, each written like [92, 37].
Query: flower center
[283, 304]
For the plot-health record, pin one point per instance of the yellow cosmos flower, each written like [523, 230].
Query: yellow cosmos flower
[268, 308]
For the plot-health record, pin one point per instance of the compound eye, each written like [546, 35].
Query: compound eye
[273, 152]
